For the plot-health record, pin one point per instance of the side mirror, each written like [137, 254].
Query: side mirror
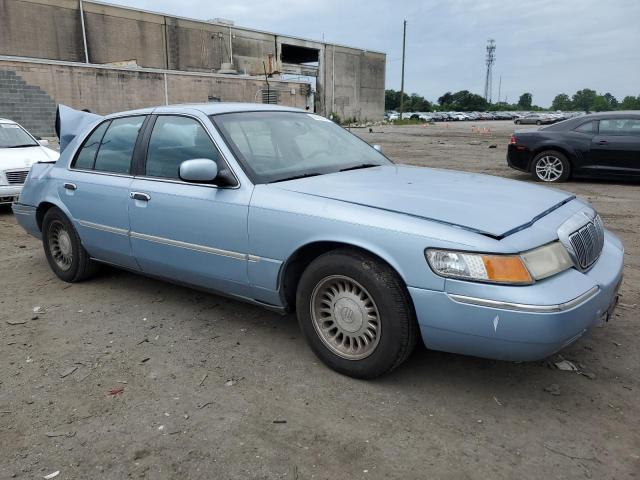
[378, 148]
[43, 142]
[199, 170]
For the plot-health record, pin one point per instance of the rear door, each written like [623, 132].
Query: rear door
[192, 233]
[616, 147]
[96, 189]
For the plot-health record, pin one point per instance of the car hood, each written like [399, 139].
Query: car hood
[15, 158]
[489, 205]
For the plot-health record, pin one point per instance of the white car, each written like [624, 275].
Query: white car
[18, 151]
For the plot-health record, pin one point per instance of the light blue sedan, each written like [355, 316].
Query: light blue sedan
[285, 209]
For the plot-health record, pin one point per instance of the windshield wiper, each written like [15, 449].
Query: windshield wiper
[25, 145]
[362, 165]
[295, 177]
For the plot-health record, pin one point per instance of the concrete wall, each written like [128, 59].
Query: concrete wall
[51, 29]
[354, 90]
[30, 91]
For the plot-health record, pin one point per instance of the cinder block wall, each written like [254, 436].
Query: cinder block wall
[30, 91]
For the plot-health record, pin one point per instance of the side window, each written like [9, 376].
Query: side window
[117, 145]
[588, 127]
[620, 126]
[87, 154]
[176, 139]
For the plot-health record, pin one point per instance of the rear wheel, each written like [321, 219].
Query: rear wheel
[538, 122]
[550, 166]
[355, 314]
[66, 256]
[518, 122]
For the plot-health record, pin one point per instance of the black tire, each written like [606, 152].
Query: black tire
[398, 329]
[59, 237]
[538, 122]
[518, 122]
[557, 158]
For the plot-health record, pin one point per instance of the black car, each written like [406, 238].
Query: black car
[596, 145]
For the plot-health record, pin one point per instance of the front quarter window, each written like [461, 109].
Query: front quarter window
[275, 146]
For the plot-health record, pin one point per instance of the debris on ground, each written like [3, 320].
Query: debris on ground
[279, 421]
[116, 391]
[589, 375]
[52, 475]
[566, 365]
[60, 434]
[39, 310]
[204, 377]
[493, 146]
[68, 371]
[16, 322]
[553, 389]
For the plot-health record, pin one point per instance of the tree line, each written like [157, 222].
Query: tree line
[464, 101]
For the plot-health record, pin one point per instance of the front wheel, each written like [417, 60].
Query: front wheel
[66, 256]
[518, 122]
[355, 313]
[550, 166]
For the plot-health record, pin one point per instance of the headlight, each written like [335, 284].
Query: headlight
[3, 179]
[548, 260]
[522, 269]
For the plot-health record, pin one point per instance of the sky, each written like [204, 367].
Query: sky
[544, 47]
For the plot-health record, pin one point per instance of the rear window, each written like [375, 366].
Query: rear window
[110, 147]
[588, 127]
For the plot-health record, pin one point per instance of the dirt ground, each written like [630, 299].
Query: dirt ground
[216, 389]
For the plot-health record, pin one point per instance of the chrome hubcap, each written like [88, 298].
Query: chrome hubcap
[345, 317]
[549, 168]
[60, 245]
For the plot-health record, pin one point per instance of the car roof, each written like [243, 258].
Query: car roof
[616, 113]
[6, 120]
[213, 108]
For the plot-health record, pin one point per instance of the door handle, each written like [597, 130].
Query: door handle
[70, 186]
[602, 142]
[145, 197]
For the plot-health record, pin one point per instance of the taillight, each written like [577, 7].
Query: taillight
[513, 140]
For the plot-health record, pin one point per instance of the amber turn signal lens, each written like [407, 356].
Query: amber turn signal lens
[506, 269]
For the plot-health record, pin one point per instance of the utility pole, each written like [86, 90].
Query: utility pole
[84, 33]
[499, 88]
[490, 59]
[404, 39]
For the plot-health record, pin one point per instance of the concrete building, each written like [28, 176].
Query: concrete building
[109, 58]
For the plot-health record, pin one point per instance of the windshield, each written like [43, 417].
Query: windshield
[14, 136]
[278, 146]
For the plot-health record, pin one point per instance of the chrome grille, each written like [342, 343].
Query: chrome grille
[587, 242]
[17, 177]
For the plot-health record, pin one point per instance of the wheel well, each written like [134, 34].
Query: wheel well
[41, 211]
[300, 260]
[551, 148]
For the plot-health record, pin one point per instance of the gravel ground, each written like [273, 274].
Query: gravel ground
[124, 376]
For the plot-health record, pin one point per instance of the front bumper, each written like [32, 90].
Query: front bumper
[520, 323]
[9, 193]
[27, 219]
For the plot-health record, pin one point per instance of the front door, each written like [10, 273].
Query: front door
[192, 233]
[616, 147]
[96, 190]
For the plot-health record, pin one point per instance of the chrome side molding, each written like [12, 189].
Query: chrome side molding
[522, 307]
